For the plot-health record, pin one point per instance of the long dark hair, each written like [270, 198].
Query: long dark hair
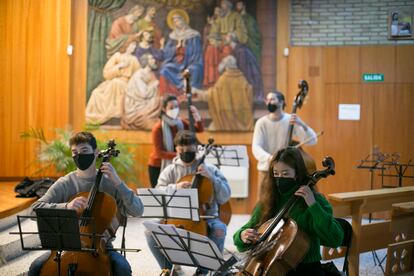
[269, 196]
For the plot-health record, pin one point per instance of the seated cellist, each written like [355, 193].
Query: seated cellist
[62, 194]
[313, 215]
[184, 164]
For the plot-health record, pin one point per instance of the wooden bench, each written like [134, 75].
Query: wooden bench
[371, 236]
[400, 253]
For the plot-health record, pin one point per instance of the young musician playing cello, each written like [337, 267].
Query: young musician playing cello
[287, 177]
[61, 194]
[184, 164]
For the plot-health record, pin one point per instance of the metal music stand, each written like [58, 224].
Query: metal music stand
[400, 170]
[181, 203]
[225, 156]
[182, 247]
[374, 162]
[58, 229]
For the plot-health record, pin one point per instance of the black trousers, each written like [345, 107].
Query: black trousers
[154, 173]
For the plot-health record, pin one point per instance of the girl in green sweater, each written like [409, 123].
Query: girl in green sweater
[287, 177]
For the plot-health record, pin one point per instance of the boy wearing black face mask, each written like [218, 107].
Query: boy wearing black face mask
[185, 164]
[313, 214]
[61, 194]
[271, 132]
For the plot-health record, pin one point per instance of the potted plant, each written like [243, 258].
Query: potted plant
[57, 154]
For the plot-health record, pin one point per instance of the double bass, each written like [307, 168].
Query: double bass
[282, 245]
[297, 104]
[103, 209]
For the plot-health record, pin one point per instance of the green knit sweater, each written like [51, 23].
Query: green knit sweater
[316, 220]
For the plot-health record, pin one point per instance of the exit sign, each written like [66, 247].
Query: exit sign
[373, 77]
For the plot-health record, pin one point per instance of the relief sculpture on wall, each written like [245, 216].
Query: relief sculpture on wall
[151, 43]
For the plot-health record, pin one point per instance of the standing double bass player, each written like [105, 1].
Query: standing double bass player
[271, 132]
[185, 163]
[63, 194]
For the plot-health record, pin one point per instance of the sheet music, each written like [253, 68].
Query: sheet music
[181, 203]
[170, 239]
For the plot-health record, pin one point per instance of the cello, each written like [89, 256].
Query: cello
[205, 196]
[94, 233]
[224, 209]
[297, 104]
[282, 245]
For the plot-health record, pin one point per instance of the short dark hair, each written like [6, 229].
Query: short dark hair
[81, 138]
[279, 96]
[185, 138]
[167, 99]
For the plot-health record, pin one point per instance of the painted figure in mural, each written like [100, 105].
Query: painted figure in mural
[230, 22]
[107, 98]
[247, 63]
[123, 30]
[182, 51]
[230, 100]
[145, 46]
[212, 51]
[254, 40]
[147, 23]
[142, 104]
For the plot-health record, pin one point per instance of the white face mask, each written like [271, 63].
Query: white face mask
[173, 113]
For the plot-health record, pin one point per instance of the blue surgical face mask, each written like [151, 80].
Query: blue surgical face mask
[284, 184]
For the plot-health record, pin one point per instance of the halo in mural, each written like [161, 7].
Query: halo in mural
[180, 12]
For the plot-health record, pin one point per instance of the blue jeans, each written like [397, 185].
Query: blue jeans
[120, 265]
[216, 232]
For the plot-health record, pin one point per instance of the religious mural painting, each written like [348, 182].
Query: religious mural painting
[150, 43]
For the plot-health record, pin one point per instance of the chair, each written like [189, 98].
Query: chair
[346, 242]
[331, 253]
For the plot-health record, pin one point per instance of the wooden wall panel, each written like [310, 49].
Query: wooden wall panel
[282, 42]
[404, 64]
[341, 65]
[78, 64]
[379, 59]
[394, 129]
[35, 79]
[306, 64]
[346, 141]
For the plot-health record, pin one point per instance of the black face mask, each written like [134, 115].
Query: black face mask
[187, 156]
[284, 184]
[272, 107]
[83, 161]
